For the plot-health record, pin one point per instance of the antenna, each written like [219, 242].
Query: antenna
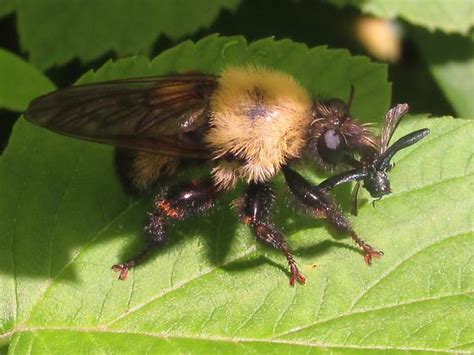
[351, 97]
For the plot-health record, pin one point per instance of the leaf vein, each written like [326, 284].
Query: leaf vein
[283, 313]
[367, 310]
[389, 271]
[57, 213]
[256, 310]
[439, 181]
[181, 284]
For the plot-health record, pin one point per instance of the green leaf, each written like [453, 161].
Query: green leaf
[6, 7]
[88, 29]
[20, 82]
[448, 16]
[451, 61]
[65, 221]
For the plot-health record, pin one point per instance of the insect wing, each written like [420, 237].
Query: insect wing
[392, 119]
[152, 114]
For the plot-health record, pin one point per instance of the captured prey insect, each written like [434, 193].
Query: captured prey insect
[372, 170]
[247, 123]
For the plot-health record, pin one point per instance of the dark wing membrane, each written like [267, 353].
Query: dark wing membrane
[392, 119]
[156, 114]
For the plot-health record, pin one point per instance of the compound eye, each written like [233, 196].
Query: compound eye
[331, 146]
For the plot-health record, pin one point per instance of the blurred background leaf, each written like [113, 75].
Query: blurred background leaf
[6, 7]
[20, 82]
[448, 55]
[451, 61]
[53, 33]
[449, 16]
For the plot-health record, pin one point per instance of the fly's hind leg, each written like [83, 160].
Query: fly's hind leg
[320, 203]
[178, 203]
[255, 210]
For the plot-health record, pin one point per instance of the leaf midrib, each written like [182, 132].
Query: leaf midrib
[232, 340]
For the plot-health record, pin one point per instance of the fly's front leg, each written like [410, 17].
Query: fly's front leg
[319, 202]
[255, 210]
[178, 203]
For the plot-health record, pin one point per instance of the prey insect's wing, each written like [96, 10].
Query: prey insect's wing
[392, 119]
[161, 115]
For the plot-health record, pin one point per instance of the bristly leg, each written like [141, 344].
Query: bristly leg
[317, 200]
[255, 210]
[178, 203]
